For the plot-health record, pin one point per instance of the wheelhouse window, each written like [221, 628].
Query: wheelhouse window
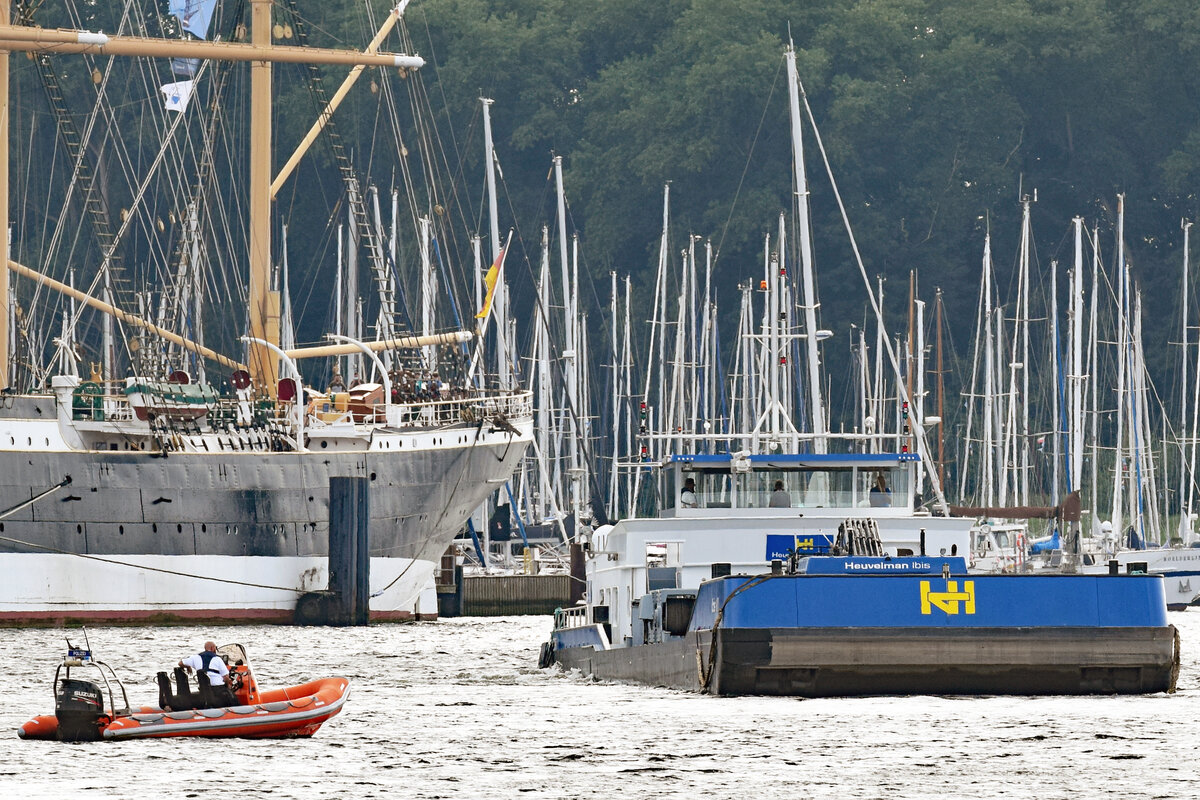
[797, 488]
[702, 489]
[883, 487]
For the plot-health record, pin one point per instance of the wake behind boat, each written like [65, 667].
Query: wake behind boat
[87, 707]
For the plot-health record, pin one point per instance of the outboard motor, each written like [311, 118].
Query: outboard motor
[78, 705]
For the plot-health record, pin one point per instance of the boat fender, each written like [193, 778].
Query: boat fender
[546, 656]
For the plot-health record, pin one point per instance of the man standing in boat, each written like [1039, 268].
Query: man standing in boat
[210, 667]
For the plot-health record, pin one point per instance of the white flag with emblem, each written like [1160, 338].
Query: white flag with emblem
[177, 95]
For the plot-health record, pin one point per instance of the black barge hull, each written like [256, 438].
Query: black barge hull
[820, 662]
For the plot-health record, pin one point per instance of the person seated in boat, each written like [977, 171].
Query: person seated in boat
[779, 497]
[881, 495]
[211, 674]
[687, 498]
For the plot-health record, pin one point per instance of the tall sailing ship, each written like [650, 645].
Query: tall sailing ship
[196, 485]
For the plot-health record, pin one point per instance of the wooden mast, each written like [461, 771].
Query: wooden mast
[264, 304]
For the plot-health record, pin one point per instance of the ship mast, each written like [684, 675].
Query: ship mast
[5, 355]
[264, 303]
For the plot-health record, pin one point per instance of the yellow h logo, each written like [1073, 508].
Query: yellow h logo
[948, 600]
[803, 544]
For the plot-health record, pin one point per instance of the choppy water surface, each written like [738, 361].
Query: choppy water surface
[457, 708]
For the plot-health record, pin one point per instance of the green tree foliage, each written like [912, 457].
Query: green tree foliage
[936, 117]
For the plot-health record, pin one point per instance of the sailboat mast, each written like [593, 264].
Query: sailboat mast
[615, 396]
[1122, 333]
[1075, 481]
[816, 407]
[499, 297]
[1023, 442]
[941, 389]
[1184, 510]
[544, 386]
[5, 310]
[918, 399]
[908, 354]
[1056, 360]
[988, 374]
[1094, 372]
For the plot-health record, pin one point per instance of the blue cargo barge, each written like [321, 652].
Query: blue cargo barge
[854, 626]
[837, 597]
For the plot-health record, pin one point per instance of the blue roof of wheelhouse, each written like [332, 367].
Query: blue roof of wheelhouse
[800, 459]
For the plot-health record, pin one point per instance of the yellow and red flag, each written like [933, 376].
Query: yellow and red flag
[490, 281]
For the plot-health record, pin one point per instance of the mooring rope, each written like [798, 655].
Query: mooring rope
[706, 676]
[9, 512]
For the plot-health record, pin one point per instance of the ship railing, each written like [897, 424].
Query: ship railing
[117, 408]
[232, 412]
[473, 408]
[99, 402]
[565, 618]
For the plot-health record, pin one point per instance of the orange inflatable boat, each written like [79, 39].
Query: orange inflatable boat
[88, 710]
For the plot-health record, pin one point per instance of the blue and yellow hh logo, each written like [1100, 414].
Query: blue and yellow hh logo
[948, 600]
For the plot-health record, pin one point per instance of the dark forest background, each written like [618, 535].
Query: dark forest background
[938, 117]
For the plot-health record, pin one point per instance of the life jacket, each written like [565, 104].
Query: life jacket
[206, 659]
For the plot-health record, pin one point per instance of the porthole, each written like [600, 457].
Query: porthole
[78, 528]
[178, 528]
[121, 529]
[203, 528]
[154, 527]
[372, 476]
[324, 443]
